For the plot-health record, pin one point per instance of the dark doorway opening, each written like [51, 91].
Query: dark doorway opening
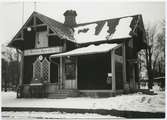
[119, 75]
[93, 71]
[54, 71]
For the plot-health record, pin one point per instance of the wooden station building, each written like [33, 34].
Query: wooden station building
[68, 59]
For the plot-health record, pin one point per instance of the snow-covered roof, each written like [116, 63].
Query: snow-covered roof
[91, 49]
[103, 30]
[110, 29]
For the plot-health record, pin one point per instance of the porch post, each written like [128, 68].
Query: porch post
[61, 73]
[21, 68]
[124, 66]
[113, 70]
[76, 73]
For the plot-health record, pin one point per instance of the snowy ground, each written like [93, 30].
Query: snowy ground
[131, 102]
[50, 115]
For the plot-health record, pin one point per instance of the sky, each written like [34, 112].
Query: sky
[13, 15]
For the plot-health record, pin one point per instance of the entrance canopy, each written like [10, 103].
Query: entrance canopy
[91, 49]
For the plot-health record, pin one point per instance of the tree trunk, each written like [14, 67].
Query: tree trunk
[150, 81]
[149, 68]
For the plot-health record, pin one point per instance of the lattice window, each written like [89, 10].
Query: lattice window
[37, 67]
[45, 70]
[41, 69]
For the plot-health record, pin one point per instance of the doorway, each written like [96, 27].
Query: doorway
[54, 73]
[93, 71]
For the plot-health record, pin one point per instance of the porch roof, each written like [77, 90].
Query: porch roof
[91, 49]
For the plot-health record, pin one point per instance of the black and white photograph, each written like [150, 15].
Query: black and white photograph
[82, 59]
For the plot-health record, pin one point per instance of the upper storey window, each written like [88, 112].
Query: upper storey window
[41, 39]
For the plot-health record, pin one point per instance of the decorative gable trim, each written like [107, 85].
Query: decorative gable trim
[34, 16]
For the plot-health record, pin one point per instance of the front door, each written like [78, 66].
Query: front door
[70, 76]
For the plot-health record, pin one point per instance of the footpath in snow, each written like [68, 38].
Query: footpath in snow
[131, 102]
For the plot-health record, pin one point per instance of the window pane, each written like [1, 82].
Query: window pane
[37, 69]
[70, 71]
[45, 69]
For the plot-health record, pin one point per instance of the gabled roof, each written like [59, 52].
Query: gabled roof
[104, 30]
[62, 31]
[59, 28]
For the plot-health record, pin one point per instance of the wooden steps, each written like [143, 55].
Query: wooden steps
[60, 94]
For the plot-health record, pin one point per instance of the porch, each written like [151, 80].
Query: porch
[93, 70]
[88, 71]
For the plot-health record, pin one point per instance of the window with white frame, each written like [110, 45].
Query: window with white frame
[41, 69]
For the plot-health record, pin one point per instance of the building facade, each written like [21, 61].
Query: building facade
[68, 59]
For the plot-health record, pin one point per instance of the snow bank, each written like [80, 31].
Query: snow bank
[53, 115]
[131, 102]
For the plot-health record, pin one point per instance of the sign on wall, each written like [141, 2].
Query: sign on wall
[42, 51]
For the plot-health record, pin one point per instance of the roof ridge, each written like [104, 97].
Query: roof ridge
[86, 23]
[91, 21]
[47, 17]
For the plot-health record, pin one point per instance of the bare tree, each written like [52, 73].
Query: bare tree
[160, 48]
[9, 67]
[154, 53]
[150, 37]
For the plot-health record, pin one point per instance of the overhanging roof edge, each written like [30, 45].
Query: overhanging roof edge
[82, 52]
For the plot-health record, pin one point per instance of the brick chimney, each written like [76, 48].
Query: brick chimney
[70, 18]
